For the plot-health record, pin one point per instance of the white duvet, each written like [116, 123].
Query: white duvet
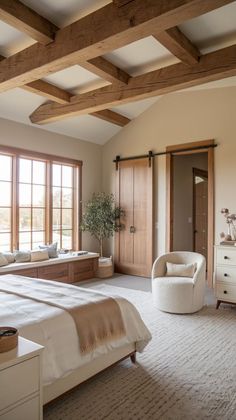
[55, 329]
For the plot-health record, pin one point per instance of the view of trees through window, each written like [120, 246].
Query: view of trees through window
[62, 204]
[32, 203]
[39, 202]
[5, 202]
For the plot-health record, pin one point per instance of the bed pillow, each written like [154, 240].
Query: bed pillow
[52, 249]
[180, 270]
[9, 256]
[39, 255]
[22, 256]
[3, 260]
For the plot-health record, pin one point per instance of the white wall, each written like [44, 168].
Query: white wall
[32, 138]
[180, 118]
[183, 198]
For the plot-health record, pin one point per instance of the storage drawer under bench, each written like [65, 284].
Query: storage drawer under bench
[72, 270]
[58, 272]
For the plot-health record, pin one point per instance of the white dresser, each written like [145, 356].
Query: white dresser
[20, 382]
[225, 274]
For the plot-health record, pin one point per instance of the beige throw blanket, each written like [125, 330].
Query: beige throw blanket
[97, 317]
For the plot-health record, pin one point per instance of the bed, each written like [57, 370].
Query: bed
[34, 307]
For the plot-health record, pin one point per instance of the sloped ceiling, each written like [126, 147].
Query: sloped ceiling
[208, 33]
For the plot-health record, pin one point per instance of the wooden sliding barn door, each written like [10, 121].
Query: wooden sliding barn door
[134, 192]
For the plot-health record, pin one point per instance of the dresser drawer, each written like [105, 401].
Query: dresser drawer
[19, 381]
[30, 410]
[226, 274]
[226, 291]
[226, 256]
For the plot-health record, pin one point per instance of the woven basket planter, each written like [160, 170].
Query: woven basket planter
[105, 268]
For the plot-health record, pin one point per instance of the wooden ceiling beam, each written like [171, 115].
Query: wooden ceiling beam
[106, 70]
[120, 3]
[111, 117]
[179, 45]
[94, 35]
[212, 66]
[49, 91]
[26, 20]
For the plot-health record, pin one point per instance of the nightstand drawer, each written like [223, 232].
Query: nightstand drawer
[226, 274]
[226, 291]
[19, 381]
[30, 410]
[226, 256]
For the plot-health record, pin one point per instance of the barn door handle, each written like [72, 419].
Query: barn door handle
[132, 229]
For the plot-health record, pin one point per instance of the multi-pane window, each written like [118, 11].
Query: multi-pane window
[5, 202]
[39, 200]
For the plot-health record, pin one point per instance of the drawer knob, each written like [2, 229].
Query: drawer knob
[225, 292]
[225, 257]
[225, 274]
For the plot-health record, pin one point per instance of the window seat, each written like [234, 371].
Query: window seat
[65, 268]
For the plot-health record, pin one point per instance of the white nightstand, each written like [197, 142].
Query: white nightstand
[20, 382]
[225, 274]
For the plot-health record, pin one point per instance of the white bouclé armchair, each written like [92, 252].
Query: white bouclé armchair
[180, 295]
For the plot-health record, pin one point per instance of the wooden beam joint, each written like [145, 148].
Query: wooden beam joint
[179, 45]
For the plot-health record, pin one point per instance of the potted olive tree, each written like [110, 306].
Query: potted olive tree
[101, 218]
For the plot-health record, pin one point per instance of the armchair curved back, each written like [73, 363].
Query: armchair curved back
[178, 257]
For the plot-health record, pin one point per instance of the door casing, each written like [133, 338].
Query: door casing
[176, 150]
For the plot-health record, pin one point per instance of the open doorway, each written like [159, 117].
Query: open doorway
[190, 201]
[200, 208]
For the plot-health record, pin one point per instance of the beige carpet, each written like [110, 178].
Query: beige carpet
[188, 371]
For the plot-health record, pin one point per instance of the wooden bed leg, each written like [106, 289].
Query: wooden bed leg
[133, 357]
[218, 304]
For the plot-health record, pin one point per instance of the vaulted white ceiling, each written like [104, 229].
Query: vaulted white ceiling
[209, 32]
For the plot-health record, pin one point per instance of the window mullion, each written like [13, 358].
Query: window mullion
[31, 208]
[48, 203]
[15, 202]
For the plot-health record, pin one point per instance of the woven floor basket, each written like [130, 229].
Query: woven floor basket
[105, 269]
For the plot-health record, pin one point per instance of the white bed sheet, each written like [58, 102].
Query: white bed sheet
[55, 329]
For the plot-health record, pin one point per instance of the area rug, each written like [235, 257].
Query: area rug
[187, 372]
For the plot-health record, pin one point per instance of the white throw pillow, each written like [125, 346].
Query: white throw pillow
[3, 260]
[22, 256]
[39, 255]
[9, 256]
[180, 270]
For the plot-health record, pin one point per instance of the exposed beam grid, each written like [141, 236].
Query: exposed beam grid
[26, 20]
[212, 66]
[91, 36]
[47, 90]
[61, 96]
